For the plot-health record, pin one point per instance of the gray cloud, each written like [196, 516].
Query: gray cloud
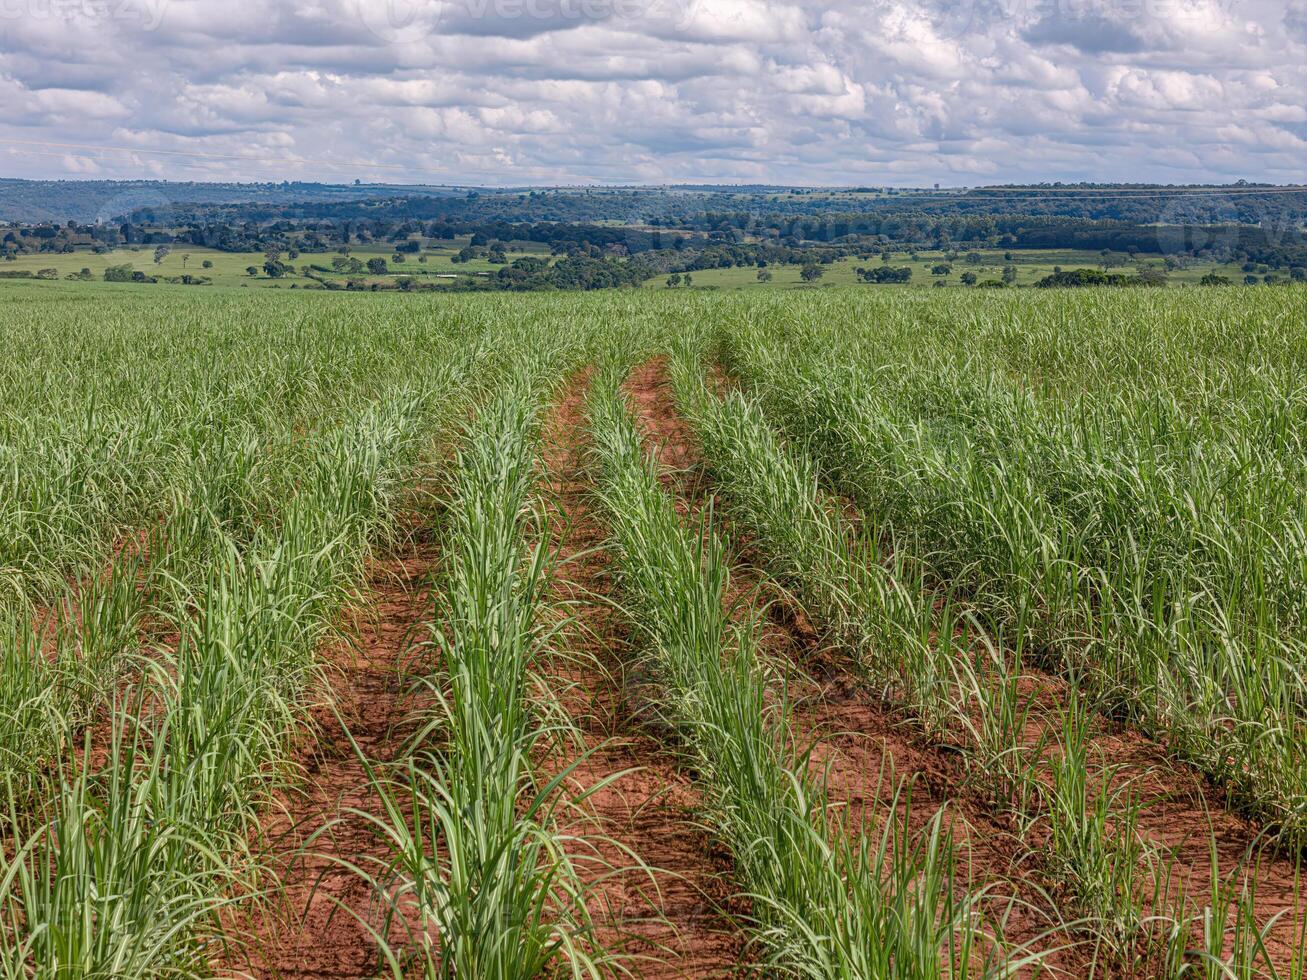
[786, 91]
[1090, 33]
[1295, 20]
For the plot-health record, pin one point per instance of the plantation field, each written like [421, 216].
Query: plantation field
[1031, 265]
[440, 269]
[230, 268]
[827, 633]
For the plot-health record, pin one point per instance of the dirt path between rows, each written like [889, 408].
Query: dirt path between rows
[1183, 816]
[673, 921]
[864, 752]
[307, 933]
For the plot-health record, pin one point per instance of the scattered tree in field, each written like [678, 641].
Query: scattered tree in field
[688, 279]
[207, 264]
[1085, 277]
[764, 275]
[118, 273]
[1212, 279]
[186, 257]
[160, 254]
[1009, 274]
[47, 274]
[968, 278]
[811, 272]
[941, 269]
[884, 274]
[673, 280]
[377, 266]
[251, 270]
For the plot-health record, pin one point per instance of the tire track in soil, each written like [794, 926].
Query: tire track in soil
[862, 749]
[305, 934]
[674, 921]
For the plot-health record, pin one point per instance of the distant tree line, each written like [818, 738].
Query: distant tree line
[1142, 204]
[706, 241]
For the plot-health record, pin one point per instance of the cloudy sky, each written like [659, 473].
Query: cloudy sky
[648, 91]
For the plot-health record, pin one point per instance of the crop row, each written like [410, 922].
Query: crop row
[1143, 530]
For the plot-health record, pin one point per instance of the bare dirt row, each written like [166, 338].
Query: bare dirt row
[673, 916]
[1182, 815]
[670, 906]
[863, 751]
[315, 928]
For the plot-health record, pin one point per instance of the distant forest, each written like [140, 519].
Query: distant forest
[88, 201]
[616, 236]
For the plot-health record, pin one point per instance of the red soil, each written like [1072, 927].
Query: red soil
[1182, 813]
[671, 918]
[675, 920]
[864, 752]
[312, 930]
